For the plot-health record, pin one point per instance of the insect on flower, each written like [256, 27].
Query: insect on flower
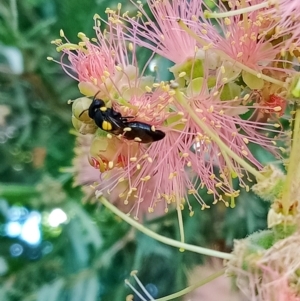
[113, 122]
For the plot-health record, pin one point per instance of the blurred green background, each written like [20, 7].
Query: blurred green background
[54, 246]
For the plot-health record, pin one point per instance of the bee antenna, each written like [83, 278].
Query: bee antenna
[96, 94]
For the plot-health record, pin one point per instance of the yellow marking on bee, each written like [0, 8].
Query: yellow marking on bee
[106, 126]
[103, 109]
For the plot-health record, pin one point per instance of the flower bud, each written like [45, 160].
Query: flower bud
[80, 109]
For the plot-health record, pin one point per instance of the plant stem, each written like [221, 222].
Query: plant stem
[226, 151]
[293, 171]
[158, 237]
[193, 287]
[237, 12]
[180, 223]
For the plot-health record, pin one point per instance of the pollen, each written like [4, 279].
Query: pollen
[110, 164]
[172, 175]
[211, 109]
[282, 52]
[150, 210]
[106, 73]
[145, 179]
[227, 21]
[246, 97]
[122, 179]
[96, 17]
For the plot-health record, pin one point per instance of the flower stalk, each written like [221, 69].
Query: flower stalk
[293, 171]
[158, 237]
[226, 151]
[193, 287]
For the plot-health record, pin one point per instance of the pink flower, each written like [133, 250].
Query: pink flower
[164, 36]
[266, 275]
[206, 140]
[165, 172]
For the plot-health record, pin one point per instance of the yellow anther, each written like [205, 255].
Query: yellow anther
[106, 73]
[227, 21]
[110, 164]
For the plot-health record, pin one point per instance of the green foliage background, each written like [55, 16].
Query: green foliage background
[89, 256]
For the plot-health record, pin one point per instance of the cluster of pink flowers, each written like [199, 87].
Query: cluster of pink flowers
[230, 76]
[265, 275]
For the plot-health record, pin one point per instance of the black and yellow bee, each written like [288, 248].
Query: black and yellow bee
[113, 122]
